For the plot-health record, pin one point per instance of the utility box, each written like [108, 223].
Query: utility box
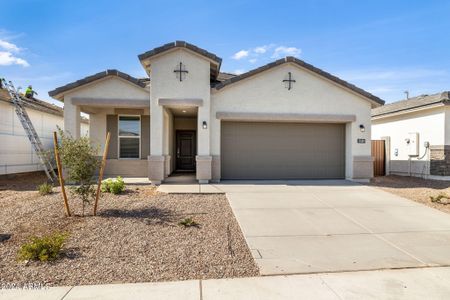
[413, 144]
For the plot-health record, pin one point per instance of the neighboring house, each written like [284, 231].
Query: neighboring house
[16, 152]
[417, 134]
[285, 120]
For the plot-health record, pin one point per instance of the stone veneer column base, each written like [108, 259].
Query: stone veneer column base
[156, 169]
[440, 160]
[362, 168]
[203, 168]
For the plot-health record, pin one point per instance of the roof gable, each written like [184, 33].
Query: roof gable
[179, 44]
[307, 66]
[215, 60]
[58, 92]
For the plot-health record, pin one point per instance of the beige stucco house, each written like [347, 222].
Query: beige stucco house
[284, 120]
[417, 135]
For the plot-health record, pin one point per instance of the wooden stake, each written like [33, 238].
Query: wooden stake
[60, 175]
[100, 175]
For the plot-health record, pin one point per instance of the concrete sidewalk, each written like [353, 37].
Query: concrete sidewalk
[422, 283]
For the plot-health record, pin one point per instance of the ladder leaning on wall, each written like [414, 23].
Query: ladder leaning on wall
[29, 129]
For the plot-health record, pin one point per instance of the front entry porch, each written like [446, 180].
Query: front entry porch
[179, 131]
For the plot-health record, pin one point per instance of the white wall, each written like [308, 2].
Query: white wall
[311, 94]
[164, 84]
[429, 123]
[111, 87]
[16, 153]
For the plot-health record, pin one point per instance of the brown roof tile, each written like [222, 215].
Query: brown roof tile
[139, 82]
[37, 104]
[412, 103]
[180, 44]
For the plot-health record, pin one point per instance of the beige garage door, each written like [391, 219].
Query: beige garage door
[282, 150]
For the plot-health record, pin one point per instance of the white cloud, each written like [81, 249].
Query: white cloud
[239, 71]
[253, 60]
[260, 50]
[7, 59]
[241, 54]
[8, 46]
[282, 51]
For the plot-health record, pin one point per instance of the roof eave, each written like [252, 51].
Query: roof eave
[59, 92]
[410, 110]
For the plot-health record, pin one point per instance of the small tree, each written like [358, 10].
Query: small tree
[79, 159]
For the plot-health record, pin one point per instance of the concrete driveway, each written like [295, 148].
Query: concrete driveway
[327, 226]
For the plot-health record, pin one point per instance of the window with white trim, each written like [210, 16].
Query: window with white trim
[129, 136]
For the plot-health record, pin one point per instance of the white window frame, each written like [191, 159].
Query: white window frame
[127, 136]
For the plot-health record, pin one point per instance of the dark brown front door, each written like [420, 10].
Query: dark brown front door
[186, 150]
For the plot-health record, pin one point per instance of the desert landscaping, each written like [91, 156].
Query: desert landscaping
[135, 237]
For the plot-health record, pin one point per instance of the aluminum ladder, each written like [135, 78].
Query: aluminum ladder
[29, 129]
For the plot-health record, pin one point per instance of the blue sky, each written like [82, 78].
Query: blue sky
[385, 47]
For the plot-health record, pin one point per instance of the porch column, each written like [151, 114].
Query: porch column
[72, 118]
[204, 158]
[156, 158]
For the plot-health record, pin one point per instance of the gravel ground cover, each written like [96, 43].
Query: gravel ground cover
[136, 237]
[416, 189]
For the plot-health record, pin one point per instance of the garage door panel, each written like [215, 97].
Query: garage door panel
[282, 150]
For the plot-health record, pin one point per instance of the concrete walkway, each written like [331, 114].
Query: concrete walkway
[295, 227]
[426, 283]
[333, 226]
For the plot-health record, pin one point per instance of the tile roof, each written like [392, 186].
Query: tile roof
[180, 44]
[290, 59]
[139, 82]
[37, 104]
[412, 103]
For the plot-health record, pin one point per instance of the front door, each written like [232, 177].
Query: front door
[186, 150]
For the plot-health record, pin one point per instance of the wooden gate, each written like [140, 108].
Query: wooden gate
[378, 155]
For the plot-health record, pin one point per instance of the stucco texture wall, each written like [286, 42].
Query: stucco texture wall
[108, 88]
[311, 94]
[430, 124]
[195, 85]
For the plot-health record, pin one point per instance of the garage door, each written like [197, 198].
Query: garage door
[282, 150]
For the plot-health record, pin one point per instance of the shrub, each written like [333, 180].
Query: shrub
[80, 160]
[441, 199]
[189, 222]
[116, 186]
[45, 189]
[44, 248]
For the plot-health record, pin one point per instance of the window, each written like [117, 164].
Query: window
[129, 136]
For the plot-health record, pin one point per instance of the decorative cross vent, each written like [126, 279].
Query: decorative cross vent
[288, 81]
[180, 71]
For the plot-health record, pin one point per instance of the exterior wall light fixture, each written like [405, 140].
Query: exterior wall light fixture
[204, 125]
[362, 128]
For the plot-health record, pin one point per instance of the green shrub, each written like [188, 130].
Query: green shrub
[80, 159]
[441, 199]
[189, 222]
[45, 189]
[115, 186]
[44, 248]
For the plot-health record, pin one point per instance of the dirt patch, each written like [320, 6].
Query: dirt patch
[416, 189]
[135, 238]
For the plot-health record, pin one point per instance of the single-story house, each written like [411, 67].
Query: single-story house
[16, 152]
[417, 135]
[284, 120]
